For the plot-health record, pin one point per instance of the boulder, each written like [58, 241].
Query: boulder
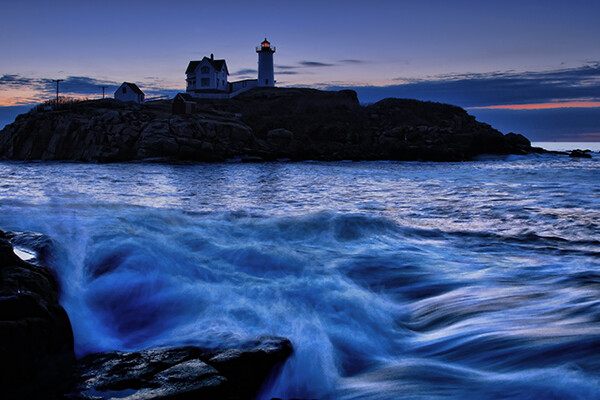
[36, 340]
[580, 153]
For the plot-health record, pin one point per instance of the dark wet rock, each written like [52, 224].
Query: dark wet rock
[180, 373]
[580, 153]
[36, 340]
[151, 374]
[280, 135]
[43, 248]
[270, 123]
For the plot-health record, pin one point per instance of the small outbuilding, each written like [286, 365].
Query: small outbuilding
[183, 103]
[129, 92]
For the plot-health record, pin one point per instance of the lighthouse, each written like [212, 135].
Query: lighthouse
[266, 76]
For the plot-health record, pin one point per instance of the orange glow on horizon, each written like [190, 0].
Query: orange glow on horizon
[31, 98]
[542, 106]
[19, 97]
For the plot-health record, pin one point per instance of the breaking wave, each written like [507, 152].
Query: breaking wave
[392, 280]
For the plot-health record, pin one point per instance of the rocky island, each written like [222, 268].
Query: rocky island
[262, 124]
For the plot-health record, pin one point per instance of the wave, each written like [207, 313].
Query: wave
[392, 280]
[360, 296]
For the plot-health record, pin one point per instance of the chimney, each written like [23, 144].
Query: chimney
[212, 56]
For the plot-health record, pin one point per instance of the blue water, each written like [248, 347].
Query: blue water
[393, 280]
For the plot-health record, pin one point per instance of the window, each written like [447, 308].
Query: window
[266, 81]
[204, 70]
[205, 82]
[124, 90]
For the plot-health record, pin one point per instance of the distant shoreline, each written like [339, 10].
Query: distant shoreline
[567, 146]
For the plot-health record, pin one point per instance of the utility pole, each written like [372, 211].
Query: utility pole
[57, 82]
[103, 87]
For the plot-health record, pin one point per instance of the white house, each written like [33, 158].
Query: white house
[129, 92]
[207, 75]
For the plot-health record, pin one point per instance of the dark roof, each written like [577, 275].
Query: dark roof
[216, 64]
[133, 87]
[192, 67]
[184, 97]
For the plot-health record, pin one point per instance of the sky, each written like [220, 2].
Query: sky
[527, 66]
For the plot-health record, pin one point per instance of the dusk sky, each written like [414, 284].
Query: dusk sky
[531, 67]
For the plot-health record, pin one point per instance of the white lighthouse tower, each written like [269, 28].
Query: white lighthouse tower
[266, 76]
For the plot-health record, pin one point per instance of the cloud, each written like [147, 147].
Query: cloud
[509, 87]
[315, 64]
[590, 69]
[71, 84]
[282, 69]
[245, 71]
[14, 81]
[18, 82]
[286, 72]
[82, 85]
[286, 67]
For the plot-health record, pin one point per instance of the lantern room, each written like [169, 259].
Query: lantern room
[265, 46]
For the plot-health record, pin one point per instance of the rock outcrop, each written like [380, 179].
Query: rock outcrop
[578, 153]
[180, 373]
[36, 340]
[261, 124]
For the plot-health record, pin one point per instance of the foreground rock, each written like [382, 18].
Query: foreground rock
[261, 124]
[180, 373]
[36, 340]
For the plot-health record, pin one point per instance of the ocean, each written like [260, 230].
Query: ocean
[393, 280]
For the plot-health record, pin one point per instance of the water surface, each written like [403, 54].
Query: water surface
[393, 280]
